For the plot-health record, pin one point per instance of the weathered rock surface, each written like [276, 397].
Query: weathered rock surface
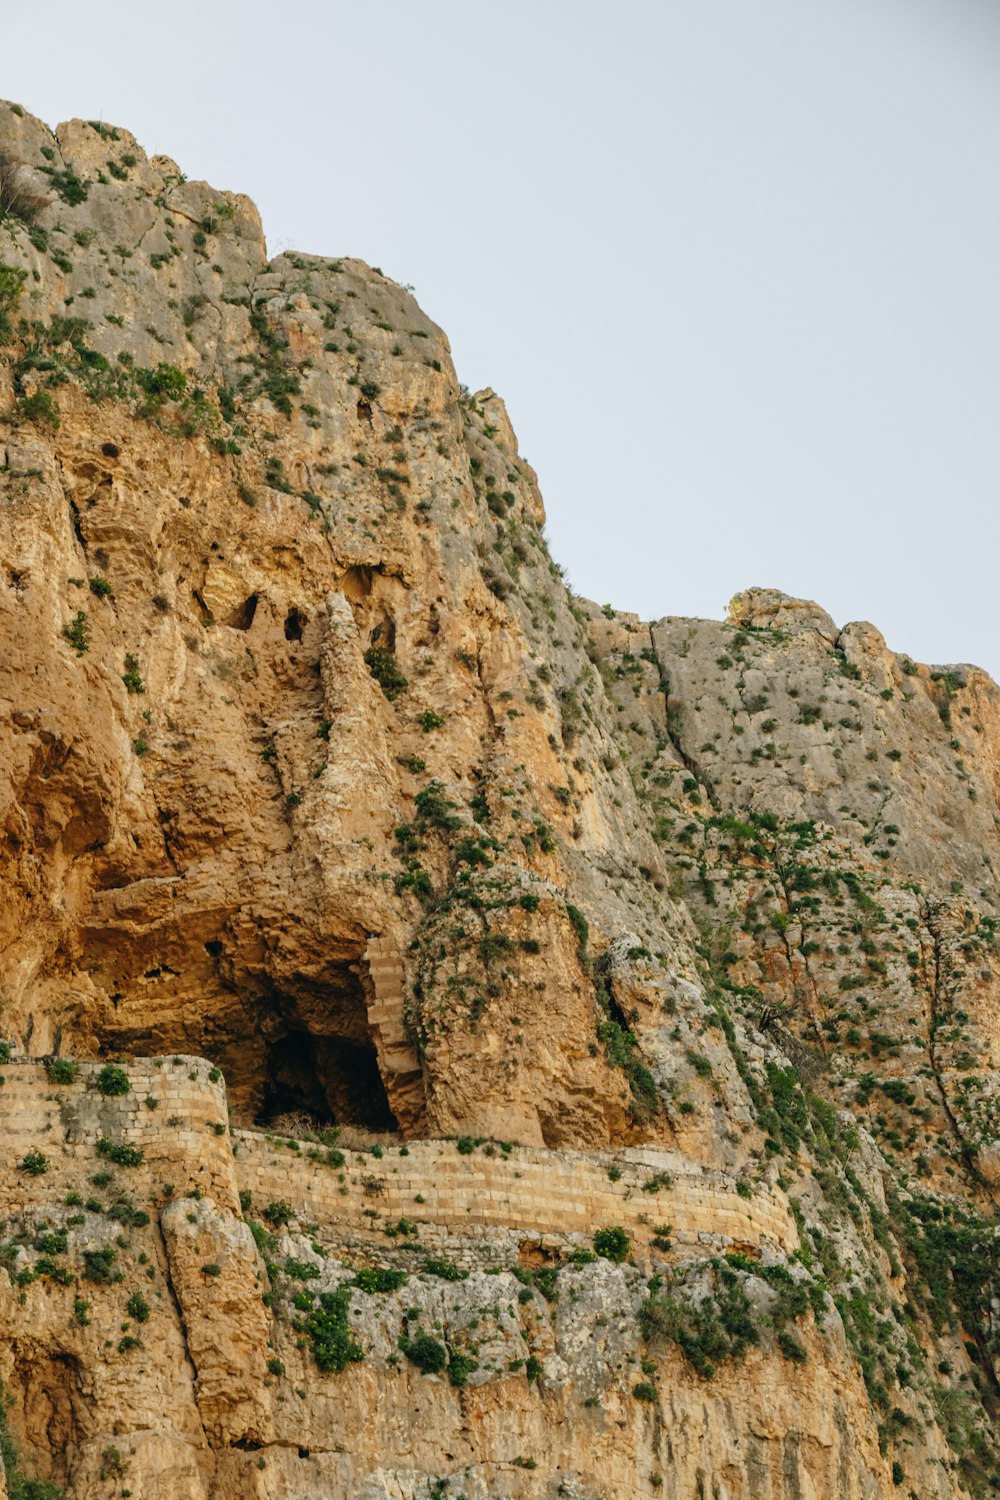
[311, 766]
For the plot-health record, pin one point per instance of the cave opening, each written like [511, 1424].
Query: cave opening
[299, 1053]
[333, 1081]
[241, 618]
[295, 622]
[322, 1062]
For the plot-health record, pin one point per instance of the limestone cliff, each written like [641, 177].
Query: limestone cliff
[459, 1040]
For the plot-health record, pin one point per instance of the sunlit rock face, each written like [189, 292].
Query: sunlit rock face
[551, 1052]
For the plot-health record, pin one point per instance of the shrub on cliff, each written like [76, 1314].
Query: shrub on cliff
[383, 666]
[278, 1213]
[707, 1331]
[165, 383]
[612, 1244]
[434, 808]
[328, 1334]
[39, 407]
[77, 632]
[379, 1279]
[111, 1081]
[61, 1070]
[425, 1352]
[97, 1266]
[122, 1156]
[138, 1308]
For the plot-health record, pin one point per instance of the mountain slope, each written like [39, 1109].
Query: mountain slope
[314, 768]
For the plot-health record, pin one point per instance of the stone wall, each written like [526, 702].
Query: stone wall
[530, 1189]
[173, 1111]
[176, 1112]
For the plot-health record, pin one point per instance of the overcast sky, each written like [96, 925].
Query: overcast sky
[733, 264]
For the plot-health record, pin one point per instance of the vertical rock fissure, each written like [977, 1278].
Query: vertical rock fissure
[931, 918]
[673, 738]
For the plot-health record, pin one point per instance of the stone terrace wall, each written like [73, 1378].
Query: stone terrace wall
[536, 1191]
[186, 1142]
[184, 1138]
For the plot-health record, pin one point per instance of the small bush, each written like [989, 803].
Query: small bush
[383, 666]
[122, 1156]
[113, 1465]
[434, 809]
[61, 1070]
[612, 1244]
[125, 1212]
[460, 1367]
[132, 676]
[582, 1257]
[416, 879]
[425, 1352]
[165, 383]
[644, 1391]
[97, 1265]
[54, 1242]
[327, 1331]
[379, 1279]
[445, 1269]
[39, 407]
[278, 1213]
[580, 926]
[791, 1348]
[301, 1270]
[72, 189]
[35, 1163]
[77, 632]
[138, 1308]
[112, 1081]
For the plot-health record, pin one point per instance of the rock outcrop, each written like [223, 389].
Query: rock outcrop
[459, 1040]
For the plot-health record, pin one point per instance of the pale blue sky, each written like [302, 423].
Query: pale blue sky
[733, 264]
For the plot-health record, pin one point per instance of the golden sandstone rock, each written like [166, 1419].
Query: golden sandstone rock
[458, 1040]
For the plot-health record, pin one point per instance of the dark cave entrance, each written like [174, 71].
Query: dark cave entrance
[334, 1081]
[322, 1061]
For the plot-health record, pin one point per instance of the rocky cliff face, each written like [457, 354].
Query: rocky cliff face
[313, 767]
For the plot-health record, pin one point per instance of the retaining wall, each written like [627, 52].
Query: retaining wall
[531, 1190]
[186, 1142]
[180, 1137]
